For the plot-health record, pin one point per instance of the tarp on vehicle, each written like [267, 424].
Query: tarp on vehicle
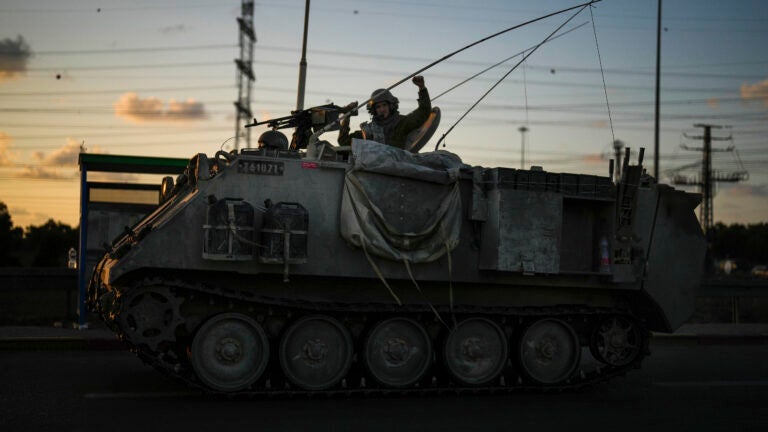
[399, 205]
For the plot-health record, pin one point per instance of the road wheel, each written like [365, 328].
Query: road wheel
[229, 352]
[398, 352]
[549, 351]
[476, 351]
[316, 352]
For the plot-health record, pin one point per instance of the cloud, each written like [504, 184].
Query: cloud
[49, 166]
[66, 155]
[62, 164]
[757, 91]
[14, 55]
[744, 190]
[265, 115]
[19, 211]
[112, 177]
[593, 159]
[137, 110]
[40, 172]
[7, 157]
[22, 212]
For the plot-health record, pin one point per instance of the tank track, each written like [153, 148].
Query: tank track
[170, 354]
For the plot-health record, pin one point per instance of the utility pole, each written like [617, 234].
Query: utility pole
[303, 62]
[707, 213]
[522, 130]
[708, 177]
[245, 75]
[656, 149]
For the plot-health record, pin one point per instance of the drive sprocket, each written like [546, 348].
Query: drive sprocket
[150, 315]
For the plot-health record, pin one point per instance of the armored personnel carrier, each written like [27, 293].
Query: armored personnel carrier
[311, 268]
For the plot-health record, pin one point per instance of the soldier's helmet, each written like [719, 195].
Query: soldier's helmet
[273, 140]
[385, 96]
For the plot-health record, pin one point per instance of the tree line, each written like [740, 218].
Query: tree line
[44, 245]
[747, 245]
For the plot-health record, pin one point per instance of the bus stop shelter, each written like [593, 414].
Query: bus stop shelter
[107, 208]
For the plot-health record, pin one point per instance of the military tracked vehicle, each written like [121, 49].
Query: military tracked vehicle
[293, 270]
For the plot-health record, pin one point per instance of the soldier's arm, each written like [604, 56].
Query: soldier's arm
[345, 138]
[420, 114]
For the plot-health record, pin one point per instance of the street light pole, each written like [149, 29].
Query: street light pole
[522, 130]
[656, 149]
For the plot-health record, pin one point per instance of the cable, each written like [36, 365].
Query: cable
[631, 72]
[84, 92]
[500, 63]
[510, 71]
[602, 73]
[128, 66]
[525, 93]
[137, 50]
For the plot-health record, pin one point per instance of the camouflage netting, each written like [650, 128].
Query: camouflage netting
[399, 205]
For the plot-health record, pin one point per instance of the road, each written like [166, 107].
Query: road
[683, 386]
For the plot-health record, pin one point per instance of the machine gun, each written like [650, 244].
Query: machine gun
[306, 122]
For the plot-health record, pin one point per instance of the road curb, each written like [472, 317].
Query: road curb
[710, 339]
[60, 344]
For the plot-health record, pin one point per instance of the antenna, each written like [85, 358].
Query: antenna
[303, 62]
[244, 72]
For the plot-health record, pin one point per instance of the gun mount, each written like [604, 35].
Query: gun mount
[306, 122]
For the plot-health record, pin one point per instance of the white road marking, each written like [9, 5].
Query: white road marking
[139, 395]
[758, 383]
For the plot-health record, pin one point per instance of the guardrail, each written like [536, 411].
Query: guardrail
[731, 287]
[732, 300]
[38, 295]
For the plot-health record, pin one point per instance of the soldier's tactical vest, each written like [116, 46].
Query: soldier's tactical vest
[373, 132]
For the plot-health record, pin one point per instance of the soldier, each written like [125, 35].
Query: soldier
[273, 140]
[388, 126]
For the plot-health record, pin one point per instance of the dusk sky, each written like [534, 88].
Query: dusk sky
[158, 78]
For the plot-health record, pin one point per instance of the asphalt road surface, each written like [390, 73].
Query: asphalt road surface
[683, 386]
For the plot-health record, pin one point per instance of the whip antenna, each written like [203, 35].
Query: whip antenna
[446, 57]
[602, 73]
[511, 70]
[504, 61]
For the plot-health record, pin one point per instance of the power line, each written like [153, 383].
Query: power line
[128, 66]
[122, 134]
[566, 107]
[633, 71]
[109, 9]
[113, 91]
[409, 3]
[136, 50]
[646, 73]
[379, 72]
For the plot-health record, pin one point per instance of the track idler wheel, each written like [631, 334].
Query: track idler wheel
[616, 341]
[150, 316]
